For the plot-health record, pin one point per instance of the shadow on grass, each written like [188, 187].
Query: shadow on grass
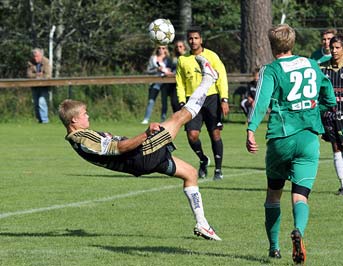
[71, 233]
[262, 189]
[68, 233]
[175, 250]
[120, 176]
[244, 168]
[233, 188]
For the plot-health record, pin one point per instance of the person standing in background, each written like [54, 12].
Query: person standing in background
[39, 68]
[188, 77]
[249, 99]
[159, 64]
[169, 89]
[323, 54]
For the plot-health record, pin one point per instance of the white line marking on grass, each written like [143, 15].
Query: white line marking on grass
[120, 196]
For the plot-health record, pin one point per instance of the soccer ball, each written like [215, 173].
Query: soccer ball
[161, 31]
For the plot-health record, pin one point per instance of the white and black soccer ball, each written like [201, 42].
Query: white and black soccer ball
[161, 31]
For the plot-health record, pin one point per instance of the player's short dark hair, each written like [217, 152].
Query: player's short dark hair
[193, 29]
[337, 38]
[327, 31]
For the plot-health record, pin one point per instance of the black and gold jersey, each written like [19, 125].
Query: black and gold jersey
[101, 148]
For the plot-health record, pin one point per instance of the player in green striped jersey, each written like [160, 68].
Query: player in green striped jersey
[332, 120]
[295, 90]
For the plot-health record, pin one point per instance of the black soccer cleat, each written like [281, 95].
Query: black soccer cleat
[218, 175]
[340, 192]
[275, 254]
[202, 172]
[299, 251]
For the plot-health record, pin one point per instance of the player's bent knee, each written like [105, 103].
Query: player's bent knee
[304, 191]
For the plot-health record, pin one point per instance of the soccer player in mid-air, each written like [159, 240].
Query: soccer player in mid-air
[147, 152]
[295, 90]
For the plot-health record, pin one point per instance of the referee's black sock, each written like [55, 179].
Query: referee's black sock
[217, 148]
[197, 148]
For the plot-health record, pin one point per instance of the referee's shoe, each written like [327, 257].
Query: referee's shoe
[202, 172]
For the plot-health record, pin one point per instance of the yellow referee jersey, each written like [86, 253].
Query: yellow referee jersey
[188, 75]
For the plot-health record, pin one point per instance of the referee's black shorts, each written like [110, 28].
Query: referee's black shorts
[210, 114]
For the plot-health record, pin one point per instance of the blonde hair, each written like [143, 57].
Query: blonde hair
[156, 52]
[281, 38]
[69, 109]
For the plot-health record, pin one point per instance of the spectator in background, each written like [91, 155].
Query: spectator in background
[39, 68]
[323, 54]
[188, 77]
[249, 98]
[159, 64]
[169, 89]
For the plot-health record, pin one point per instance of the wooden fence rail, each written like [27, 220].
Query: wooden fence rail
[104, 80]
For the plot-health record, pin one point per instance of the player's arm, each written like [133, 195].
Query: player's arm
[327, 98]
[222, 84]
[105, 144]
[180, 82]
[132, 143]
[262, 101]
[264, 92]
[251, 143]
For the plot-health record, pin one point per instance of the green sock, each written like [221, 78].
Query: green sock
[300, 213]
[272, 223]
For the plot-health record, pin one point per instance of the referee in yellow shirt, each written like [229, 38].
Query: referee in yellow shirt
[188, 77]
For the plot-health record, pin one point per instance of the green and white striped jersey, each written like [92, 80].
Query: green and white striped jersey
[295, 90]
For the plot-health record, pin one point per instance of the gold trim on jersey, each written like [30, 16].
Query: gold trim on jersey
[156, 142]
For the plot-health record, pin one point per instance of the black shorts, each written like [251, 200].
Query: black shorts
[154, 156]
[333, 128]
[210, 113]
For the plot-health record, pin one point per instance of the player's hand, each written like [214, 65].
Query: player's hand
[153, 128]
[251, 143]
[225, 108]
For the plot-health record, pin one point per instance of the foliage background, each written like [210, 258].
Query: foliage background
[109, 38]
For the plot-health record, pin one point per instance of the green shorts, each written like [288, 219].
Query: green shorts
[294, 158]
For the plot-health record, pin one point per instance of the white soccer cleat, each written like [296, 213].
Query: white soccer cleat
[206, 68]
[207, 233]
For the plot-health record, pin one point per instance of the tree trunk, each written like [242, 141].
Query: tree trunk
[256, 19]
[32, 24]
[185, 18]
[59, 37]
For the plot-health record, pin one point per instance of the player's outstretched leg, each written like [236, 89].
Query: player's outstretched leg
[209, 76]
[196, 100]
[188, 173]
[207, 233]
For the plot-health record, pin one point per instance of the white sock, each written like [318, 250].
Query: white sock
[195, 201]
[338, 163]
[197, 99]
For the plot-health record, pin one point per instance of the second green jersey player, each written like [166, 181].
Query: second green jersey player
[295, 91]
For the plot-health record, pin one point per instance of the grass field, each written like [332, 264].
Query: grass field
[57, 209]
